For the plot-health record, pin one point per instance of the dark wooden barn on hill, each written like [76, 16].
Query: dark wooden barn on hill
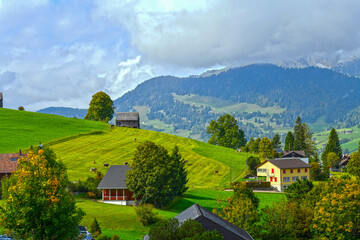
[1, 100]
[128, 119]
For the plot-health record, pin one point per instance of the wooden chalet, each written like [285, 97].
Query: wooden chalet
[128, 119]
[210, 222]
[8, 164]
[113, 186]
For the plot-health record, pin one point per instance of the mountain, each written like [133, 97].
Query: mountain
[65, 111]
[262, 97]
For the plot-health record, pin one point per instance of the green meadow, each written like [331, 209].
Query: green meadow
[21, 129]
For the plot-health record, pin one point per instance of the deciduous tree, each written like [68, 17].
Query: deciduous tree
[37, 203]
[225, 132]
[265, 148]
[100, 108]
[354, 164]
[252, 162]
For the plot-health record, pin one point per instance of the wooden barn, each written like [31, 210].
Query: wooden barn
[128, 119]
[113, 186]
[1, 100]
[8, 164]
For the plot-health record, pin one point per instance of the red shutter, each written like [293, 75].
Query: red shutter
[298, 170]
[305, 169]
[272, 170]
[284, 171]
[270, 179]
[291, 171]
[275, 179]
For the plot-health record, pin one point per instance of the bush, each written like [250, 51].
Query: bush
[115, 237]
[145, 214]
[102, 237]
[95, 228]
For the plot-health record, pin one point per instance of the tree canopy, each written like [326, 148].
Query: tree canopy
[225, 132]
[354, 164]
[276, 142]
[303, 138]
[289, 142]
[155, 176]
[100, 107]
[37, 203]
[266, 148]
[333, 145]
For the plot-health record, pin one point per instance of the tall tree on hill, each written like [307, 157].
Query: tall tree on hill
[100, 108]
[333, 145]
[276, 143]
[266, 148]
[303, 138]
[289, 142]
[225, 132]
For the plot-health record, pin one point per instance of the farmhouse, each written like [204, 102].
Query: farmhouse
[210, 222]
[8, 164]
[1, 100]
[282, 172]
[128, 119]
[296, 154]
[113, 186]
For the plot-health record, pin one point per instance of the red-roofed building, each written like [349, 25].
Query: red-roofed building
[8, 163]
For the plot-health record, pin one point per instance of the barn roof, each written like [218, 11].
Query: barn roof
[8, 162]
[285, 163]
[127, 116]
[115, 177]
[211, 221]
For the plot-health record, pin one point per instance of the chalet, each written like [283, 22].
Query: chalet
[128, 119]
[344, 161]
[1, 100]
[283, 171]
[210, 222]
[113, 186]
[8, 164]
[296, 154]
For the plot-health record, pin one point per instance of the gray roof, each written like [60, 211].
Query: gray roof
[211, 221]
[284, 163]
[114, 177]
[127, 116]
[294, 154]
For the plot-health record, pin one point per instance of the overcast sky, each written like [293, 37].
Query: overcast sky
[59, 53]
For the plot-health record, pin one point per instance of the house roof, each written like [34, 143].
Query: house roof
[285, 163]
[344, 162]
[8, 162]
[127, 116]
[211, 221]
[294, 154]
[115, 177]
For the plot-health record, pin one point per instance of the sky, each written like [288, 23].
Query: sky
[61, 52]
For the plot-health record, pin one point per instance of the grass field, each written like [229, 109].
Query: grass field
[118, 146]
[123, 219]
[21, 129]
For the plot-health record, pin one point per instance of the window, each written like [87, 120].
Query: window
[294, 179]
[299, 170]
[291, 171]
[275, 179]
[270, 179]
[303, 177]
[305, 169]
[272, 170]
[286, 179]
[284, 171]
[261, 170]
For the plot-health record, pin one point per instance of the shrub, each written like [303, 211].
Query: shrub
[145, 214]
[115, 237]
[102, 237]
[95, 228]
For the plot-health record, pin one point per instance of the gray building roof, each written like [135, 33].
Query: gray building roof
[127, 116]
[210, 222]
[285, 163]
[300, 154]
[114, 177]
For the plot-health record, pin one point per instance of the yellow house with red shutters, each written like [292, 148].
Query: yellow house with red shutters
[283, 171]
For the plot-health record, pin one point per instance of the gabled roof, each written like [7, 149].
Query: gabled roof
[127, 116]
[115, 177]
[8, 162]
[285, 163]
[210, 222]
[300, 154]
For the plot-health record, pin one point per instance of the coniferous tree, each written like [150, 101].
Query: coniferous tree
[180, 179]
[333, 145]
[299, 135]
[289, 142]
[95, 227]
[276, 143]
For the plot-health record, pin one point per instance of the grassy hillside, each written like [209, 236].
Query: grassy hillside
[21, 129]
[117, 146]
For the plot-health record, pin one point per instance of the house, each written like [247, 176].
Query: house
[8, 163]
[113, 186]
[283, 171]
[128, 119]
[1, 100]
[296, 154]
[344, 161]
[210, 222]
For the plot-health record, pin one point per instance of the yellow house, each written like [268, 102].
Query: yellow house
[283, 171]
